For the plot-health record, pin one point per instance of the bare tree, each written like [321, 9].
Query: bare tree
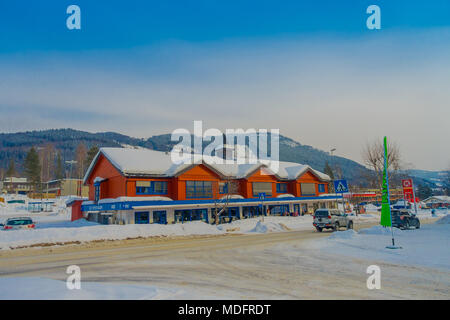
[80, 157]
[221, 205]
[47, 160]
[373, 157]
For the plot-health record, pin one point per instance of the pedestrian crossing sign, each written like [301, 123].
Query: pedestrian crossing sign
[340, 186]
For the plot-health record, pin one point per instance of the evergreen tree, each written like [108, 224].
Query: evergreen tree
[11, 169]
[90, 155]
[33, 167]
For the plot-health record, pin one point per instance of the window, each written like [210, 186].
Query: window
[262, 187]
[151, 187]
[97, 193]
[321, 188]
[308, 189]
[281, 188]
[160, 217]
[198, 189]
[223, 187]
[141, 218]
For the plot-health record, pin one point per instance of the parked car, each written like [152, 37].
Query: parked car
[331, 219]
[403, 219]
[19, 223]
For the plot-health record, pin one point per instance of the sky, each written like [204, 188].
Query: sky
[309, 68]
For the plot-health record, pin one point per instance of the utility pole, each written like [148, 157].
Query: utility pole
[332, 166]
[71, 162]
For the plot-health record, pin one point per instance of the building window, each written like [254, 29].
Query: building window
[151, 187]
[97, 192]
[141, 218]
[223, 187]
[281, 188]
[321, 187]
[199, 189]
[308, 189]
[262, 187]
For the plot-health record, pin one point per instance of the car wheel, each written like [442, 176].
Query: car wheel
[319, 229]
[336, 226]
[406, 224]
[350, 225]
[418, 225]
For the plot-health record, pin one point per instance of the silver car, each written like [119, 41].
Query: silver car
[19, 223]
[331, 219]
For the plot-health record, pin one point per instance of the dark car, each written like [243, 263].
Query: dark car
[403, 219]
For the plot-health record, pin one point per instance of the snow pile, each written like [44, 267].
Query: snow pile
[379, 230]
[18, 238]
[427, 246]
[347, 234]
[265, 227]
[286, 223]
[444, 220]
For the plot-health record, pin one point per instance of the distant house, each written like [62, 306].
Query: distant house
[66, 187]
[16, 185]
[437, 201]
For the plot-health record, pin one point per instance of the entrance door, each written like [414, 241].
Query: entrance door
[141, 217]
[160, 217]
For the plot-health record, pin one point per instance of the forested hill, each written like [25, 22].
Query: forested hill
[15, 146]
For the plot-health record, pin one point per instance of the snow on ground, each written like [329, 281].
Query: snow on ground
[427, 246]
[25, 288]
[17, 238]
[56, 227]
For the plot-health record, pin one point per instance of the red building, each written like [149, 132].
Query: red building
[123, 180]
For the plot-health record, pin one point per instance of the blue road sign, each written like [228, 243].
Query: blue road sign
[262, 196]
[340, 186]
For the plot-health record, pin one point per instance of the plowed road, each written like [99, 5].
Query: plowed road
[233, 266]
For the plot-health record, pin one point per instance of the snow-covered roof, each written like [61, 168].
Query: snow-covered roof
[444, 199]
[145, 162]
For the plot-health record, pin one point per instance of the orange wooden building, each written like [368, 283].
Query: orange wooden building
[122, 181]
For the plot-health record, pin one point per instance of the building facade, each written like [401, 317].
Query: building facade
[145, 186]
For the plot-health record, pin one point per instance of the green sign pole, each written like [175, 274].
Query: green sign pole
[386, 216]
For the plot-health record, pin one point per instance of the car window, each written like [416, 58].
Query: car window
[321, 213]
[19, 222]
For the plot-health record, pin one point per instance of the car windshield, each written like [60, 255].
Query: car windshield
[321, 213]
[20, 222]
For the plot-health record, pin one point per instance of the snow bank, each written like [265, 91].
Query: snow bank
[18, 238]
[427, 246]
[444, 220]
[347, 234]
[284, 224]
[379, 230]
[265, 227]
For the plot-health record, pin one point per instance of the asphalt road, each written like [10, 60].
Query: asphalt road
[249, 266]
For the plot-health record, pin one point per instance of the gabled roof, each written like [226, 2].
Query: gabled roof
[151, 163]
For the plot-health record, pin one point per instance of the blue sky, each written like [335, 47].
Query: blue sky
[40, 25]
[148, 67]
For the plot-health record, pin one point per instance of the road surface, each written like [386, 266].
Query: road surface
[248, 266]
